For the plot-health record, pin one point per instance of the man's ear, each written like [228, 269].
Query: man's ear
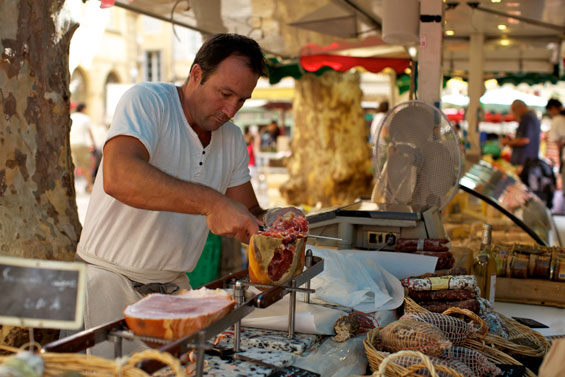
[196, 74]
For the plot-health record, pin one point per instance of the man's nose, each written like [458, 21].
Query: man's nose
[230, 108]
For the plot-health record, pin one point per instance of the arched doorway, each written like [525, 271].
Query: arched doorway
[78, 86]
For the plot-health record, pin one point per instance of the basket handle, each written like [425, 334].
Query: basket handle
[482, 331]
[151, 354]
[426, 362]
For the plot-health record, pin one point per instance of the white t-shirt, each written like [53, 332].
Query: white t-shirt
[80, 128]
[377, 119]
[156, 246]
[557, 131]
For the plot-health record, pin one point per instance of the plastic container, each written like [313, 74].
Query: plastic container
[206, 269]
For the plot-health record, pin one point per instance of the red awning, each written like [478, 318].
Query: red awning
[313, 63]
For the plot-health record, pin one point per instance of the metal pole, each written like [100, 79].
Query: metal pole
[239, 297]
[200, 354]
[292, 309]
[476, 90]
[117, 345]
[308, 264]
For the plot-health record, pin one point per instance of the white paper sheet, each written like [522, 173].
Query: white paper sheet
[401, 265]
[348, 280]
[310, 318]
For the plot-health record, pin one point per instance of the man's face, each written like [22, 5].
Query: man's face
[222, 94]
[552, 111]
[518, 110]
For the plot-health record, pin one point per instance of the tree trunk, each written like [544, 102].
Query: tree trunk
[38, 213]
[330, 162]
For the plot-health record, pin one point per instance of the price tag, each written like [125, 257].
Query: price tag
[41, 294]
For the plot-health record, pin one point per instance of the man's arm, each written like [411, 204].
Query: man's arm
[130, 178]
[517, 142]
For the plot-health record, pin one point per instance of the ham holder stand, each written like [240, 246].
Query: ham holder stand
[117, 331]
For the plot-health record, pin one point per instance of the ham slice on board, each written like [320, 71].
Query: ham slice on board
[175, 316]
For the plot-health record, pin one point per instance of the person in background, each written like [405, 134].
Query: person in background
[174, 167]
[525, 144]
[381, 112]
[82, 144]
[249, 138]
[270, 135]
[554, 109]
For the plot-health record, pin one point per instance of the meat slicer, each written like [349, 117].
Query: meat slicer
[417, 168]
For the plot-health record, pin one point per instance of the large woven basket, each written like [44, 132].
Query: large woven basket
[522, 335]
[522, 341]
[390, 369]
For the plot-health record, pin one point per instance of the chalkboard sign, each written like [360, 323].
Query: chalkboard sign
[41, 294]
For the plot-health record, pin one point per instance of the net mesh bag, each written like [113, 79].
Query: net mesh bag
[409, 361]
[415, 336]
[454, 329]
[479, 363]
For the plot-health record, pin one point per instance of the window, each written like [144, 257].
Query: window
[153, 65]
[151, 25]
[113, 24]
[186, 43]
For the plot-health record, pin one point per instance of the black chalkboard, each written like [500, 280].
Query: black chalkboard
[38, 293]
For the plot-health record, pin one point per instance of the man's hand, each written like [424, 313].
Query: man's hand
[505, 141]
[230, 218]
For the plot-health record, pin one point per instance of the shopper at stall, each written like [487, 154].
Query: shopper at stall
[82, 144]
[377, 119]
[554, 109]
[525, 144]
[270, 136]
[173, 168]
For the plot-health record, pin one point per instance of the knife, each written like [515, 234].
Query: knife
[262, 228]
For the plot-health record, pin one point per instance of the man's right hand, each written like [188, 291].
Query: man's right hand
[230, 218]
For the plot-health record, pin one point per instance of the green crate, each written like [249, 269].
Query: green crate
[206, 269]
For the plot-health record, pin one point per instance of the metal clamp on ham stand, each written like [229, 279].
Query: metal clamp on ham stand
[118, 330]
[276, 292]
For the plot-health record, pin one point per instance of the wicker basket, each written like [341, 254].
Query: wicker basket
[411, 306]
[495, 355]
[380, 362]
[538, 345]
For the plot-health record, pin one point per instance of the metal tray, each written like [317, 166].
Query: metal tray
[117, 331]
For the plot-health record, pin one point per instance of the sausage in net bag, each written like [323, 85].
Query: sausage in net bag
[413, 335]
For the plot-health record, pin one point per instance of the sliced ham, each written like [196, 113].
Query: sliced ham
[175, 316]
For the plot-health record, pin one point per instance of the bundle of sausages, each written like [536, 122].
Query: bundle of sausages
[442, 290]
[433, 247]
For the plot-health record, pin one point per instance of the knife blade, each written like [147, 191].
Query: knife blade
[263, 228]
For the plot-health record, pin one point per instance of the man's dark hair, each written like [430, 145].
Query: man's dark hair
[81, 106]
[553, 103]
[383, 107]
[221, 46]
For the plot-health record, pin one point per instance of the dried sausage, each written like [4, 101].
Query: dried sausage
[440, 307]
[443, 295]
[468, 282]
[420, 244]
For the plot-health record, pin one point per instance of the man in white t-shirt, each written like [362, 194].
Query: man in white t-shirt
[82, 143]
[376, 122]
[174, 167]
[557, 132]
